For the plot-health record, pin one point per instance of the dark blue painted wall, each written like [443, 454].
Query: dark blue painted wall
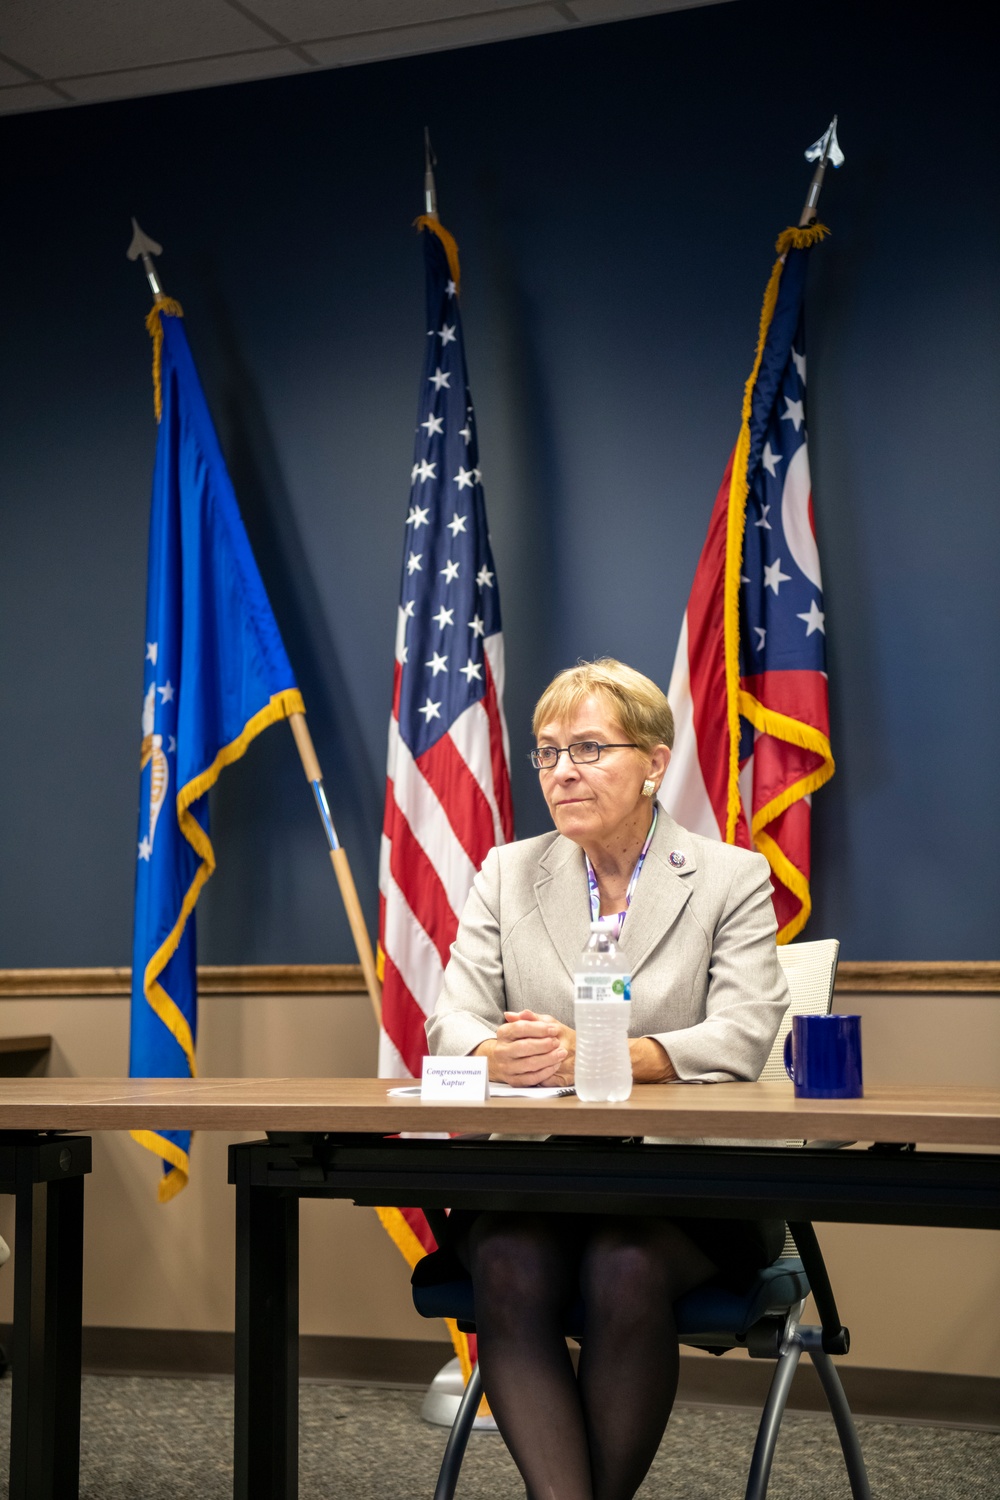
[615, 192]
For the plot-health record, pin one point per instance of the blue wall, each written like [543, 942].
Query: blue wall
[615, 192]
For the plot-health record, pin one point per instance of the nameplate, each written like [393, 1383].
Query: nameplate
[455, 1078]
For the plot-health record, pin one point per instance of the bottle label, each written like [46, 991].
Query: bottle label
[603, 986]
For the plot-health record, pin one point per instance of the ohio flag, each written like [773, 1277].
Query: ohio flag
[749, 684]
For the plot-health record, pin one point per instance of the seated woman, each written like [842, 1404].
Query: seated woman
[695, 919]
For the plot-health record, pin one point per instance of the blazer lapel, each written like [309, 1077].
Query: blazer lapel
[564, 900]
[661, 892]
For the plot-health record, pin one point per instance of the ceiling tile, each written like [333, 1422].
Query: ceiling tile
[28, 96]
[621, 10]
[406, 40]
[61, 41]
[300, 19]
[9, 75]
[178, 77]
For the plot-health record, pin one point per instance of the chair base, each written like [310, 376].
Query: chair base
[444, 1397]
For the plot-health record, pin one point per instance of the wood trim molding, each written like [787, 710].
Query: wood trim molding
[346, 979]
[929, 978]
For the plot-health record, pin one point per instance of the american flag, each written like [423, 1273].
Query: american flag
[447, 796]
[749, 684]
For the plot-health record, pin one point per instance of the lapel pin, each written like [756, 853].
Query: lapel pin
[677, 859]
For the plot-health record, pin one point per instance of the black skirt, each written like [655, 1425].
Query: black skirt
[738, 1247]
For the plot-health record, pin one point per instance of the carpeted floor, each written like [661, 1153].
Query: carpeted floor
[146, 1439]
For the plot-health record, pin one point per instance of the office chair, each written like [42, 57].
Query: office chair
[763, 1319]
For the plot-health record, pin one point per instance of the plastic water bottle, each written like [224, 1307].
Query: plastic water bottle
[603, 988]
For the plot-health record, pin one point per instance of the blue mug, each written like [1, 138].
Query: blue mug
[823, 1057]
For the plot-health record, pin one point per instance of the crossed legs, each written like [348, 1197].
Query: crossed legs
[591, 1435]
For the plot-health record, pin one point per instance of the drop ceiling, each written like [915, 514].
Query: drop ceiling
[56, 53]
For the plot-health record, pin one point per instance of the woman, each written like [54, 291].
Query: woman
[695, 919]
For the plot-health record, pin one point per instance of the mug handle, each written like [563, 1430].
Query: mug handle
[788, 1057]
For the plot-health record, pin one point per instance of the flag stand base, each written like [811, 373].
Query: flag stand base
[443, 1396]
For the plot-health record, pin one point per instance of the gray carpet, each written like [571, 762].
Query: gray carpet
[146, 1439]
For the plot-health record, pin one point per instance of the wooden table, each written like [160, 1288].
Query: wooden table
[327, 1138]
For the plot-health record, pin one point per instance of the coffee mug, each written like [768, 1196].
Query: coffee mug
[823, 1057]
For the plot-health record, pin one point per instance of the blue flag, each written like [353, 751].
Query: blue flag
[216, 674]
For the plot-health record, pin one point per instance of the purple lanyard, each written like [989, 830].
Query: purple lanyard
[595, 894]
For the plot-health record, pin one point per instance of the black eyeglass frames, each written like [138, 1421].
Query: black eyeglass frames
[583, 751]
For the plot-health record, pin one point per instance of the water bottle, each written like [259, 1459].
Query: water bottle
[603, 988]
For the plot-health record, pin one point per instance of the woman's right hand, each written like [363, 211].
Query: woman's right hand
[527, 1050]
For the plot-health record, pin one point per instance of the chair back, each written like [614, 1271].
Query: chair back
[810, 969]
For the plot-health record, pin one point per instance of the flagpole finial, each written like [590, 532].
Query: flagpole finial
[430, 187]
[824, 152]
[143, 248]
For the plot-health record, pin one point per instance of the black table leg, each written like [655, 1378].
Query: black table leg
[48, 1308]
[267, 1339]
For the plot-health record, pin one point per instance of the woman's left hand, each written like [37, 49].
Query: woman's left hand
[562, 1076]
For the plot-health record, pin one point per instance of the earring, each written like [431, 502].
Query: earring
[648, 787]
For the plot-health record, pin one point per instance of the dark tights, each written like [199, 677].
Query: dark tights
[593, 1435]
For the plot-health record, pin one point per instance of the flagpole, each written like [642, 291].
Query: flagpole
[430, 186]
[809, 211]
[143, 248]
[339, 860]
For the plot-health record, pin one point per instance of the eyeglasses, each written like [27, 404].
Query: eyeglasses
[583, 752]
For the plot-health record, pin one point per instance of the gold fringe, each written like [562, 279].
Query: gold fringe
[380, 963]
[794, 238]
[289, 701]
[171, 1182]
[154, 328]
[737, 700]
[412, 1250]
[426, 221]
[791, 877]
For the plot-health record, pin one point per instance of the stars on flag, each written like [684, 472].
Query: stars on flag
[450, 289]
[465, 478]
[430, 710]
[774, 577]
[484, 577]
[447, 334]
[771, 460]
[799, 361]
[795, 412]
[477, 626]
[145, 849]
[815, 618]
[761, 633]
[413, 564]
[151, 651]
[423, 471]
[450, 571]
[166, 692]
[763, 518]
[472, 671]
[440, 378]
[437, 663]
[444, 617]
[456, 524]
[433, 424]
[417, 517]
[171, 744]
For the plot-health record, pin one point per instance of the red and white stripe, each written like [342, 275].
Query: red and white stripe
[444, 812]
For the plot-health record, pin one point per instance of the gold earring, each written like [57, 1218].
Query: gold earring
[648, 787]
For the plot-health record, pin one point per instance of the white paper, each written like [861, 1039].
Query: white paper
[497, 1091]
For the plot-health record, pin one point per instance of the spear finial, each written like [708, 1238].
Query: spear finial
[824, 152]
[143, 248]
[430, 188]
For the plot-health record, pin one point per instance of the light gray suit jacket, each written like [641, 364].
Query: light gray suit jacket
[706, 982]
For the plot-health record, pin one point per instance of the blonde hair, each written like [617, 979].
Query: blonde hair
[636, 703]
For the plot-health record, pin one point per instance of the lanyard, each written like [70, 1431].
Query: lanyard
[595, 894]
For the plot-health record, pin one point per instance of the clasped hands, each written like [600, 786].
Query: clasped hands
[531, 1049]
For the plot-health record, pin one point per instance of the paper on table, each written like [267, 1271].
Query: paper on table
[497, 1091]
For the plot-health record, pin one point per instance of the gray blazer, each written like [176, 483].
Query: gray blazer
[706, 982]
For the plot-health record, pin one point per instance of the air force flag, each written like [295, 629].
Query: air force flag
[216, 674]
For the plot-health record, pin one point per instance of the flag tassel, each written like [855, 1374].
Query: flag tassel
[341, 864]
